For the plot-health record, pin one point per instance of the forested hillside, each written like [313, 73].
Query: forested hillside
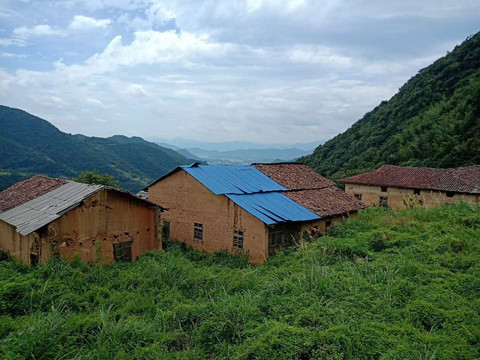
[434, 121]
[30, 145]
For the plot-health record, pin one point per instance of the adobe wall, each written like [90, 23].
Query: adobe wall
[399, 198]
[19, 247]
[105, 218]
[189, 201]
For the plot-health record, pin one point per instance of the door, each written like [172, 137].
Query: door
[122, 252]
[166, 230]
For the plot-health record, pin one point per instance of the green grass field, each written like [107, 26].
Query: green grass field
[390, 285]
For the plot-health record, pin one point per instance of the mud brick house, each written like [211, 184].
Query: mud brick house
[399, 187]
[250, 208]
[43, 217]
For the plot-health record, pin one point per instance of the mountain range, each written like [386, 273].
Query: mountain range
[433, 121]
[241, 156]
[30, 145]
[185, 143]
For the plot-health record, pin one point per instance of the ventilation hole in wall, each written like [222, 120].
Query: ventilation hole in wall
[69, 242]
[148, 229]
[80, 244]
[127, 233]
[104, 239]
[138, 232]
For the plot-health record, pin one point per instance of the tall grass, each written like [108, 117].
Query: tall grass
[389, 285]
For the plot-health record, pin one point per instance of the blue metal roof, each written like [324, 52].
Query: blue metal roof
[233, 179]
[273, 207]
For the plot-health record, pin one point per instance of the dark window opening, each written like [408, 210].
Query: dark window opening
[276, 239]
[328, 223]
[122, 252]
[166, 230]
[450, 194]
[197, 232]
[358, 196]
[416, 191]
[33, 259]
[383, 201]
[384, 189]
[238, 239]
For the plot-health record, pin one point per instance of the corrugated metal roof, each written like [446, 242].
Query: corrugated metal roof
[48, 207]
[273, 207]
[233, 179]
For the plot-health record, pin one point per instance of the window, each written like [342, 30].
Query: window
[450, 194]
[197, 232]
[384, 189]
[328, 223]
[358, 196]
[238, 239]
[416, 191]
[383, 201]
[122, 252]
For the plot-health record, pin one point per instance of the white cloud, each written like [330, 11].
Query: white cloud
[38, 30]
[309, 54]
[12, 55]
[12, 42]
[81, 22]
[150, 47]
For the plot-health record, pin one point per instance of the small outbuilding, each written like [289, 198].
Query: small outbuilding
[44, 217]
[253, 209]
[398, 187]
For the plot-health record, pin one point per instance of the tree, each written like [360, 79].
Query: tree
[94, 177]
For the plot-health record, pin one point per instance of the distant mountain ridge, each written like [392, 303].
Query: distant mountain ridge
[240, 152]
[183, 143]
[433, 121]
[30, 145]
[246, 156]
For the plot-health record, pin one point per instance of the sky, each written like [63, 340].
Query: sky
[282, 71]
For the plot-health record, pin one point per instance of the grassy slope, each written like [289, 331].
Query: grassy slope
[390, 285]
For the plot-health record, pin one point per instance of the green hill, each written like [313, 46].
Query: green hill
[390, 285]
[30, 145]
[434, 121]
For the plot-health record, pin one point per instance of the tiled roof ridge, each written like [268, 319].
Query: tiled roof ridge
[28, 189]
[460, 179]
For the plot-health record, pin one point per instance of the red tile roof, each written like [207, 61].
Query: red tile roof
[294, 176]
[327, 201]
[27, 190]
[310, 189]
[461, 180]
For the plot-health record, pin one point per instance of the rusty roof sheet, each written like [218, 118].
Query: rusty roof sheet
[462, 180]
[294, 176]
[326, 202]
[27, 190]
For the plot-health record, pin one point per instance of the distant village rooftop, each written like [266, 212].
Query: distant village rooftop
[27, 190]
[459, 180]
